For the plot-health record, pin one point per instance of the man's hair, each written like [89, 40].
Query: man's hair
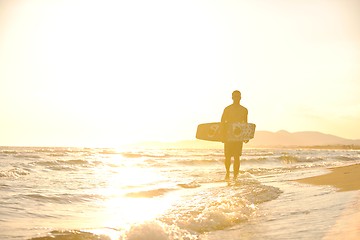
[236, 92]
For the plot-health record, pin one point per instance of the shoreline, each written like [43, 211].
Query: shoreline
[344, 179]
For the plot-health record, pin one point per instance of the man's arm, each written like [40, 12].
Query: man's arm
[246, 121]
[246, 115]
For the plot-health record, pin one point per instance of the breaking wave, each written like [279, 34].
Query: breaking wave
[13, 173]
[149, 193]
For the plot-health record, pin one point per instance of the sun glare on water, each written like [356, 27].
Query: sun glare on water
[127, 198]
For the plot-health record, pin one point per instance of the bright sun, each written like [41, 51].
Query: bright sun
[85, 73]
[105, 76]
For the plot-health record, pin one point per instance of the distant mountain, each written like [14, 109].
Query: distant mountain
[269, 139]
[284, 138]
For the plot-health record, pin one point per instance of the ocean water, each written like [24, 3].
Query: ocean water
[92, 193]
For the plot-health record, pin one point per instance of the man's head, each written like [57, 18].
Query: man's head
[236, 96]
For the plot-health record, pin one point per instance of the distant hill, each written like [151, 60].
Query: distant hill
[270, 139]
[284, 138]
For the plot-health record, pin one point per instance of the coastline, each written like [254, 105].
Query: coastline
[344, 179]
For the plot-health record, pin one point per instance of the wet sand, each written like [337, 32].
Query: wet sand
[344, 179]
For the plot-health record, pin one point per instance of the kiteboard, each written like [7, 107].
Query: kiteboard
[230, 132]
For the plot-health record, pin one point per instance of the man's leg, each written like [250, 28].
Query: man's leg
[227, 166]
[237, 155]
[236, 166]
[227, 151]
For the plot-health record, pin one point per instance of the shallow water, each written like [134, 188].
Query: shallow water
[84, 193]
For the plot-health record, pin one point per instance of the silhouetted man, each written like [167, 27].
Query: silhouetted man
[233, 113]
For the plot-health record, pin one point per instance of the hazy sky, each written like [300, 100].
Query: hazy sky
[103, 73]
